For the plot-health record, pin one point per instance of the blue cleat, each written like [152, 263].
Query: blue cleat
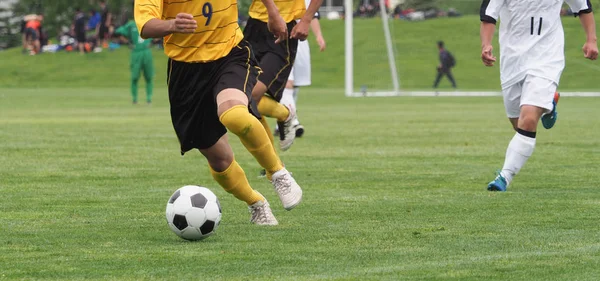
[548, 120]
[498, 184]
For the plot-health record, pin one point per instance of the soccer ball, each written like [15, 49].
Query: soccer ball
[193, 212]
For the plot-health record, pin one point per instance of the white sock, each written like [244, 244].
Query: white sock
[296, 90]
[518, 151]
[288, 97]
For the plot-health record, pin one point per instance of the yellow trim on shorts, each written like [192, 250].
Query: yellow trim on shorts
[170, 70]
[287, 59]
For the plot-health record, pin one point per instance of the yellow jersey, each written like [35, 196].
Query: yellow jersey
[289, 9]
[218, 31]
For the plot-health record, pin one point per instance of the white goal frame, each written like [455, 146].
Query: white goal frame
[349, 51]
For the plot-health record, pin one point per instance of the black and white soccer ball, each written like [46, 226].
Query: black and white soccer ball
[193, 212]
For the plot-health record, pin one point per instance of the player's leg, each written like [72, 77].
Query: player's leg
[288, 98]
[301, 77]
[228, 173]
[451, 78]
[148, 66]
[235, 117]
[276, 61]
[536, 99]
[135, 67]
[195, 118]
[438, 78]
[512, 104]
[233, 110]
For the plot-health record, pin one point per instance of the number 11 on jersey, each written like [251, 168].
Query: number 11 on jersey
[539, 29]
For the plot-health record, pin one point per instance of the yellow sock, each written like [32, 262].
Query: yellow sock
[253, 136]
[234, 181]
[269, 107]
[265, 125]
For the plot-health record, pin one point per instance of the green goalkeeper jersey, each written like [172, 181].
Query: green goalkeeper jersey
[130, 31]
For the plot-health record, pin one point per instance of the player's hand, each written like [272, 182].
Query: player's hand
[184, 23]
[590, 50]
[321, 42]
[486, 55]
[277, 26]
[300, 31]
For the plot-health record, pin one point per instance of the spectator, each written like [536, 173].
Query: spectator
[447, 62]
[79, 29]
[94, 20]
[33, 33]
[103, 32]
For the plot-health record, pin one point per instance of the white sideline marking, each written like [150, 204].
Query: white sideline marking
[458, 94]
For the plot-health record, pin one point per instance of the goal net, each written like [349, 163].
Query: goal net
[370, 56]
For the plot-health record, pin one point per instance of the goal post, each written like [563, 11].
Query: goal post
[350, 88]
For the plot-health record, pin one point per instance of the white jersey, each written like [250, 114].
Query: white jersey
[531, 37]
[301, 71]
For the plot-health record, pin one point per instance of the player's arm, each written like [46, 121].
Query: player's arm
[148, 19]
[300, 31]
[488, 14]
[316, 29]
[276, 24]
[486, 33]
[121, 33]
[590, 48]
[586, 16]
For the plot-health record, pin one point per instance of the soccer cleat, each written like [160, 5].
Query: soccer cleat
[299, 130]
[287, 134]
[549, 119]
[498, 184]
[286, 187]
[261, 214]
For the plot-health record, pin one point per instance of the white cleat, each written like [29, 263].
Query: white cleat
[288, 190]
[287, 133]
[261, 214]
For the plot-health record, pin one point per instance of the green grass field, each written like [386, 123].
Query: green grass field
[394, 187]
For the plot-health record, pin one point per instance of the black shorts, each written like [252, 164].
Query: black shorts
[103, 32]
[193, 88]
[31, 34]
[275, 60]
[80, 36]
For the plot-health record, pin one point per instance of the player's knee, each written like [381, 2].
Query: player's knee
[219, 162]
[289, 84]
[227, 105]
[528, 123]
[230, 98]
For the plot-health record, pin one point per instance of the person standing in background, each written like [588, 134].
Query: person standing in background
[103, 27]
[79, 28]
[141, 59]
[447, 62]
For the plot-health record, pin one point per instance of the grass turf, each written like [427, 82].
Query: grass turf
[415, 44]
[394, 189]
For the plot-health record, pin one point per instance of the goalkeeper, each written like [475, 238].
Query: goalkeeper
[141, 59]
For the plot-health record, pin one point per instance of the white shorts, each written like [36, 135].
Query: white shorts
[532, 90]
[301, 70]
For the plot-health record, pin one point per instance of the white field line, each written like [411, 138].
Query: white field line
[458, 94]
